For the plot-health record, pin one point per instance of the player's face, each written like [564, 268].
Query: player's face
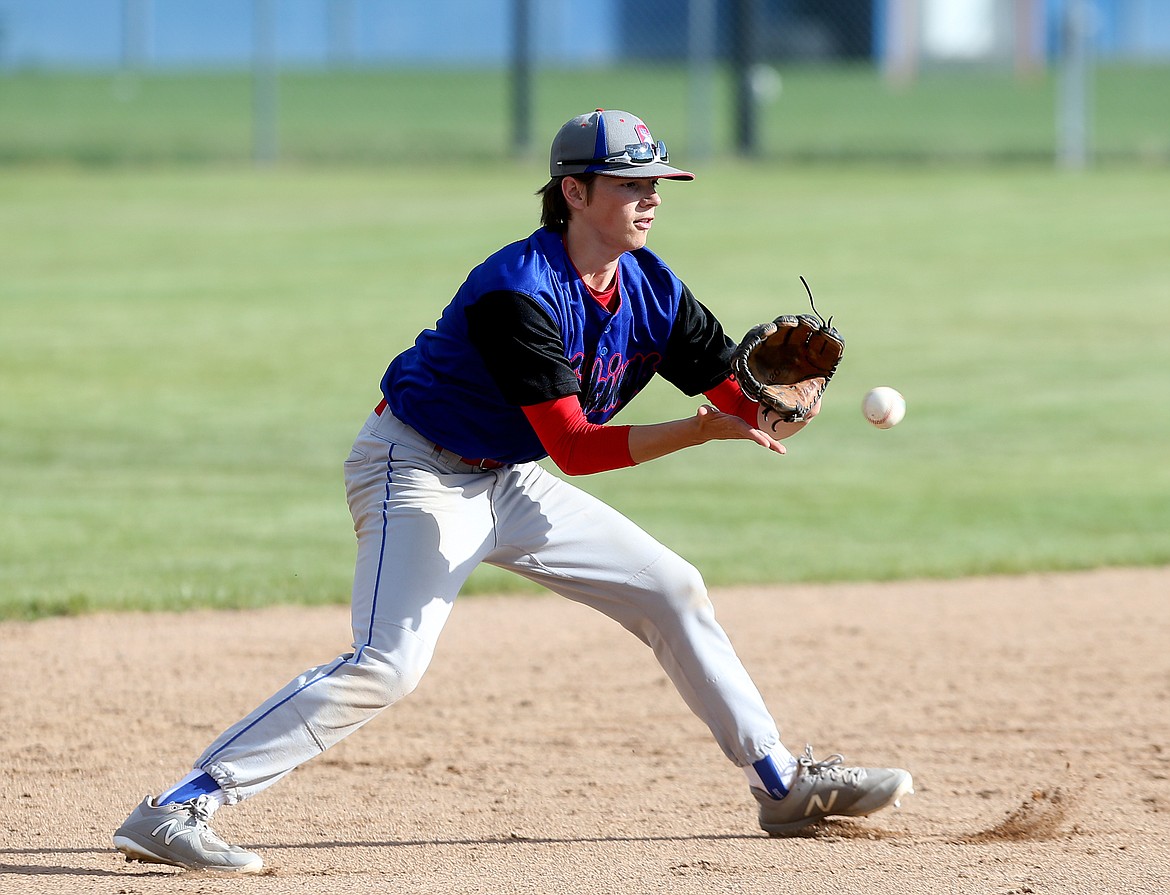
[620, 212]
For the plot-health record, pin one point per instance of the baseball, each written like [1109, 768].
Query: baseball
[883, 406]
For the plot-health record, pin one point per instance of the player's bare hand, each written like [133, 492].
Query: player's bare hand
[716, 426]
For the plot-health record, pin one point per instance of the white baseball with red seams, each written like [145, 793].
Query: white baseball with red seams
[884, 406]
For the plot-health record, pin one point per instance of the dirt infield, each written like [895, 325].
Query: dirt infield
[546, 752]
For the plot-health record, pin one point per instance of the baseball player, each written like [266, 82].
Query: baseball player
[541, 346]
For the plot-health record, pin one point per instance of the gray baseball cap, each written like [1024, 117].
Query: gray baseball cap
[610, 142]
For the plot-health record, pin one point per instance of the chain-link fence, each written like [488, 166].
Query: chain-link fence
[379, 80]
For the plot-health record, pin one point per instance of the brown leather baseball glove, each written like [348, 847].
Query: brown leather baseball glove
[786, 364]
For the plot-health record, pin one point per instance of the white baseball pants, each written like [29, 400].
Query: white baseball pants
[423, 522]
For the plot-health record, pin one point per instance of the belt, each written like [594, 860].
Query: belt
[481, 464]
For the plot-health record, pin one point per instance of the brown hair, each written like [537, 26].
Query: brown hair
[554, 210]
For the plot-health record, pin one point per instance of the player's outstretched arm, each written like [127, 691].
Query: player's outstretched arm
[708, 424]
[579, 447]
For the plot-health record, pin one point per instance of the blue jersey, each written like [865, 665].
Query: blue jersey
[524, 329]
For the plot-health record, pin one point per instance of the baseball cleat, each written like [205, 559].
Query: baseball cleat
[826, 789]
[178, 834]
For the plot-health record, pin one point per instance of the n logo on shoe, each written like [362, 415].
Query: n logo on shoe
[816, 805]
[174, 829]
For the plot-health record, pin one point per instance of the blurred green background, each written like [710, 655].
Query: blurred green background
[189, 341]
[825, 113]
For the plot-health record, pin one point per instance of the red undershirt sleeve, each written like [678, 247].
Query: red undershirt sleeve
[577, 446]
[728, 397]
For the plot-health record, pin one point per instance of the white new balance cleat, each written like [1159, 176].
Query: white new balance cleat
[179, 834]
[826, 789]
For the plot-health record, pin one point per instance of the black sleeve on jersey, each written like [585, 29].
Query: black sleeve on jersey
[521, 347]
[698, 352]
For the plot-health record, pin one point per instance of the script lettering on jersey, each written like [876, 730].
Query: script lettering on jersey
[613, 381]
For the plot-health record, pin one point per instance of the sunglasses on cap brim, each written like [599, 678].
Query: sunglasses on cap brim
[633, 154]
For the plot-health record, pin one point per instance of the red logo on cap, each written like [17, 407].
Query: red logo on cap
[643, 133]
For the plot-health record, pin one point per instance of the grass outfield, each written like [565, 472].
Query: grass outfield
[186, 356]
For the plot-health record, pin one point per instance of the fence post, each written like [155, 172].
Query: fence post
[135, 34]
[744, 52]
[1073, 86]
[521, 76]
[701, 23]
[341, 26]
[900, 40]
[264, 83]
